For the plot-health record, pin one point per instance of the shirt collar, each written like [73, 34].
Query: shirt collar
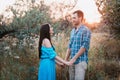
[76, 30]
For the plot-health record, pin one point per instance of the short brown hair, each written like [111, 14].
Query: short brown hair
[79, 13]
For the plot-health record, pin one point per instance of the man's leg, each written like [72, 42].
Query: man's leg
[72, 72]
[80, 69]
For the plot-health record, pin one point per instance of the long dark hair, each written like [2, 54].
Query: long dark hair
[44, 33]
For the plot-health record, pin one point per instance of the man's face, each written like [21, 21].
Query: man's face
[75, 19]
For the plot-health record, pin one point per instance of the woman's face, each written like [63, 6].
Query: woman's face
[51, 30]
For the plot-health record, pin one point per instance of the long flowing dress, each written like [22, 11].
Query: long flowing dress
[47, 69]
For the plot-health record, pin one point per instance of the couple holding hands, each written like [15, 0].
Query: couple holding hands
[77, 51]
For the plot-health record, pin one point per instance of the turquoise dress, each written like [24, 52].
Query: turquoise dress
[47, 69]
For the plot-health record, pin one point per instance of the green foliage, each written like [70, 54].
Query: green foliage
[26, 22]
[19, 57]
[110, 10]
[32, 20]
[18, 61]
[62, 26]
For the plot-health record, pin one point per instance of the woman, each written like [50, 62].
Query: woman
[47, 55]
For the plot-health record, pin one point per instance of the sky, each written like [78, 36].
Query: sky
[87, 6]
[5, 3]
[90, 10]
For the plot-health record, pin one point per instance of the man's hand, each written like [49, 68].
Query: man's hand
[71, 62]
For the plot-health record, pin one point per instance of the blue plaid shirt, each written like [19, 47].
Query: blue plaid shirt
[80, 38]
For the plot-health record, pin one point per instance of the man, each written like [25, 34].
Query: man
[78, 47]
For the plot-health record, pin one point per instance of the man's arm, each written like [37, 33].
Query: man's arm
[67, 54]
[86, 43]
[80, 52]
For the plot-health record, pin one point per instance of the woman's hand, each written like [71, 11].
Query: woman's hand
[68, 63]
[60, 64]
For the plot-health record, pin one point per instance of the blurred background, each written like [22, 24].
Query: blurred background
[20, 22]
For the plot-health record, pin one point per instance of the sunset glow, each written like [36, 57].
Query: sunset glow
[89, 8]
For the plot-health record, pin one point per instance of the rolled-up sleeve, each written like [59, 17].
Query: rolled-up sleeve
[69, 45]
[86, 39]
[70, 41]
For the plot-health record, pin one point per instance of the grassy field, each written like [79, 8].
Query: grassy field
[21, 62]
[104, 56]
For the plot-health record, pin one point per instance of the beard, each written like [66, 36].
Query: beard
[76, 23]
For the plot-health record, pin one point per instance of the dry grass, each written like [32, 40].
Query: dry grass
[104, 57]
[21, 62]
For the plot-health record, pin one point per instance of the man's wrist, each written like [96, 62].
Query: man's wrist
[72, 60]
[66, 59]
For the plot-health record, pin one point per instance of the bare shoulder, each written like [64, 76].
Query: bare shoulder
[46, 42]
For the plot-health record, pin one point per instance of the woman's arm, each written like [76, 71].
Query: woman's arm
[59, 63]
[47, 43]
[60, 60]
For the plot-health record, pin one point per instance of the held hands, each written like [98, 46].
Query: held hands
[65, 63]
[62, 62]
[69, 63]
